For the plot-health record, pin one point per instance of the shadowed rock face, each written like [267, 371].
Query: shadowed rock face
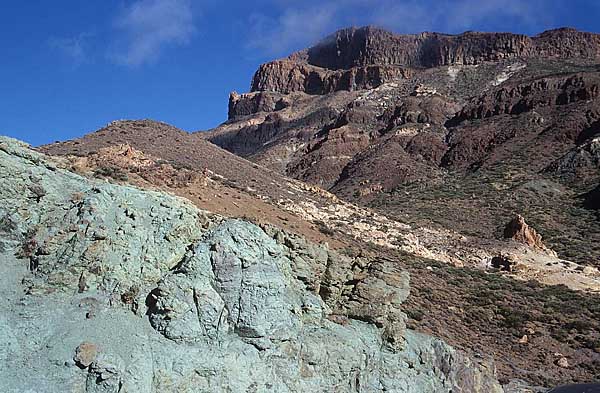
[592, 199]
[113, 289]
[369, 45]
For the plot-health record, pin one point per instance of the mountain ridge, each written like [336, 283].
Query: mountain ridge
[377, 127]
[360, 48]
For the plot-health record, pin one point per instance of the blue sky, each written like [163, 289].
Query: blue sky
[69, 67]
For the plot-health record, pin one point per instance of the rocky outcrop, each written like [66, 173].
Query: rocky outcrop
[286, 76]
[517, 229]
[109, 288]
[93, 226]
[426, 108]
[567, 43]
[250, 103]
[370, 45]
[581, 165]
[525, 97]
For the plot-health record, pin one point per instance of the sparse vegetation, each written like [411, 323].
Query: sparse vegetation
[323, 228]
[481, 203]
[114, 173]
[457, 303]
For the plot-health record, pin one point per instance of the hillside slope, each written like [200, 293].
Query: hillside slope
[109, 288]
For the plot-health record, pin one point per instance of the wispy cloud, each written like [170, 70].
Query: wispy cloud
[299, 24]
[293, 28]
[145, 28]
[74, 48]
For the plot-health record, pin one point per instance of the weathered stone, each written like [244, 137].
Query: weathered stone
[105, 376]
[145, 233]
[370, 50]
[562, 362]
[518, 230]
[85, 354]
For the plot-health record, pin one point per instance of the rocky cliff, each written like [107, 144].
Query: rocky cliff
[354, 53]
[110, 288]
[286, 76]
[369, 45]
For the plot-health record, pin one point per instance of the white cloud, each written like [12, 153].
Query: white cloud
[465, 14]
[292, 29]
[146, 27]
[74, 48]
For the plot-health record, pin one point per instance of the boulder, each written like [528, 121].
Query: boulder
[85, 354]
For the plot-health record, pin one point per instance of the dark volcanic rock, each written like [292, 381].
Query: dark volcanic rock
[524, 97]
[592, 199]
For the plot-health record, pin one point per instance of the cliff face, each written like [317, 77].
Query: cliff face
[370, 51]
[368, 45]
[287, 76]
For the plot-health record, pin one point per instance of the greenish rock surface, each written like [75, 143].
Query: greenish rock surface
[172, 299]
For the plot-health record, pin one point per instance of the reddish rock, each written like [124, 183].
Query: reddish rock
[518, 230]
[361, 57]
[85, 354]
[286, 76]
[514, 99]
[249, 103]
